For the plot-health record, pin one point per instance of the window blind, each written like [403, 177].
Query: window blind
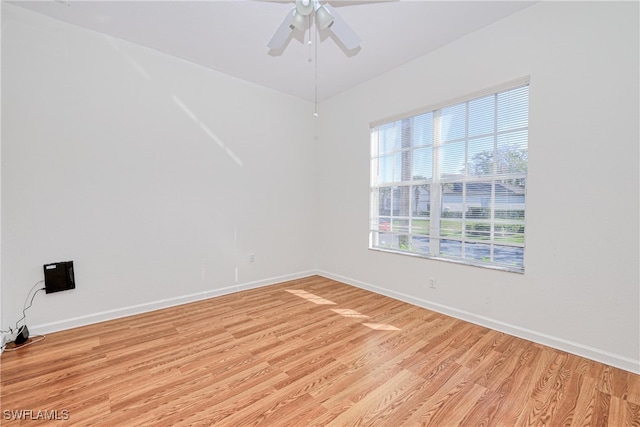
[450, 183]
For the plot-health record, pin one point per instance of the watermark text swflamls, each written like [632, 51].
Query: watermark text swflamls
[33, 415]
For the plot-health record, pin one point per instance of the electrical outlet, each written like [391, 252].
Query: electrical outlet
[432, 283]
[252, 257]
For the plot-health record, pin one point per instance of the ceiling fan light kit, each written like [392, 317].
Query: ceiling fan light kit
[326, 18]
[298, 21]
[323, 18]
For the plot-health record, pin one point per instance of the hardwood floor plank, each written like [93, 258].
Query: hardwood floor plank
[373, 404]
[273, 357]
[448, 382]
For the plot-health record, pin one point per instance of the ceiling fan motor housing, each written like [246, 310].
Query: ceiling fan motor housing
[304, 7]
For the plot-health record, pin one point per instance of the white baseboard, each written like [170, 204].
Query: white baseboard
[588, 352]
[92, 318]
[578, 349]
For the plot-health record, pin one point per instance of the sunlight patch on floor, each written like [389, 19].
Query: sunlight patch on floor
[346, 312]
[381, 327]
[349, 313]
[311, 297]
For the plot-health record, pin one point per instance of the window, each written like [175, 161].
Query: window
[450, 183]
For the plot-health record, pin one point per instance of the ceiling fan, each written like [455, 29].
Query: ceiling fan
[325, 17]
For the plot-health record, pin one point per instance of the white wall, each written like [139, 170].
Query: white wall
[155, 176]
[580, 291]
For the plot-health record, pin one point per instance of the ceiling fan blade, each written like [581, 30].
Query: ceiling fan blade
[281, 35]
[342, 31]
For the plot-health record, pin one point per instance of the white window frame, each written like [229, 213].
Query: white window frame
[399, 228]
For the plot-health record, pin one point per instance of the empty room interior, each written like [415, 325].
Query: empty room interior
[320, 213]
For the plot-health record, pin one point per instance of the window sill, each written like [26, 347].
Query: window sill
[470, 263]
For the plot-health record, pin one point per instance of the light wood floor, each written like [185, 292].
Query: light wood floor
[311, 352]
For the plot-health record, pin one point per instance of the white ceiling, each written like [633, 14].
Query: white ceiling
[232, 36]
